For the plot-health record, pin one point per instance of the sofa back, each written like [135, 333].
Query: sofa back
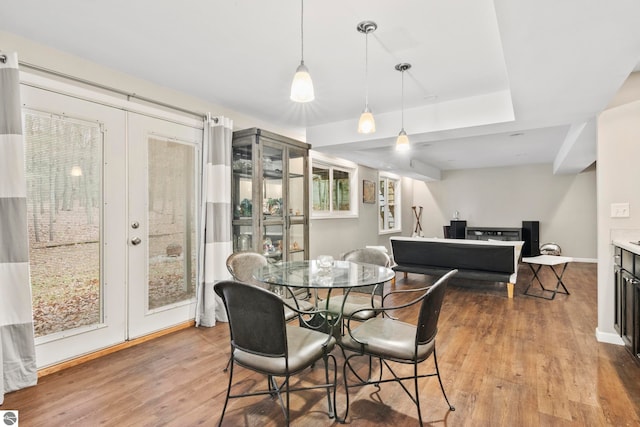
[449, 253]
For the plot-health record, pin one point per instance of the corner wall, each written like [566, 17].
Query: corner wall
[618, 181]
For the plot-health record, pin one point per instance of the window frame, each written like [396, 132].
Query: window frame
[397, 201]
[324, 161]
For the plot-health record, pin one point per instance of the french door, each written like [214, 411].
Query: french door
[162, 226]
[112, 204]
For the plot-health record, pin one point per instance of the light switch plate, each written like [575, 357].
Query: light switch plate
[619, 210]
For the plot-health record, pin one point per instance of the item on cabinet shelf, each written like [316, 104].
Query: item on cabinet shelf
[274, 206]
[244, 242]
[245, 208]
[295, 246]
[242, 165]
[550, 249]
[298, 212]
[267, 246]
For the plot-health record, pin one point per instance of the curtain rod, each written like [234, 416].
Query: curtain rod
[129, 95]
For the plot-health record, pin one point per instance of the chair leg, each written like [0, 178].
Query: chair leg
[417, 395]
[435, 361]
[226, 368]
[331, 403]
[226, 400]
[287, 415]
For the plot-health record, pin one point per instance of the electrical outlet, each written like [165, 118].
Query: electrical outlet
[619, 210]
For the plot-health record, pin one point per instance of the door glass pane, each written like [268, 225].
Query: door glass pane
[172, 224]
[64, 196]
[242, 179]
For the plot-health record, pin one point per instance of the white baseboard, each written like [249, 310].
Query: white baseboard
[592, 260]
[608, 337]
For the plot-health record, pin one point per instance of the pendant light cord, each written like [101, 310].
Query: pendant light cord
[302, 32]
[402, 99]
[366, 69]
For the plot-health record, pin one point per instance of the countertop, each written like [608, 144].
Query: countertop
[626, 244]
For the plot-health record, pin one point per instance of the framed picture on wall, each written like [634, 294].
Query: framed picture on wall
[368, 191]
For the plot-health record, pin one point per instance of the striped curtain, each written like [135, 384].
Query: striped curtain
[216, 241]
[17, 347]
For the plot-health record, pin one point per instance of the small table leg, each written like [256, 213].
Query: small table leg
[558, 283]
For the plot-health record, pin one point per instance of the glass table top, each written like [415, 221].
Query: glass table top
[310, 274]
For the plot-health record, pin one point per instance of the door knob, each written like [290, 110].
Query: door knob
[135, 241]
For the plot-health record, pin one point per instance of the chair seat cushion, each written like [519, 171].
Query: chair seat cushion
[387, 338]
[355, 302]
[305, 347]
[301, 304]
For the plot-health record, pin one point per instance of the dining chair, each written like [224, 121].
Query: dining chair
[391, 340]
[262, 341]
[241, 265]
[366, 300]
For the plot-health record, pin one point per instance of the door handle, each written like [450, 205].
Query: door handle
[135, 241]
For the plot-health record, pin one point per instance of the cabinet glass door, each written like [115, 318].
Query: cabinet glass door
[242, 188]
[272, 165]
[296, 205]
[273, 235]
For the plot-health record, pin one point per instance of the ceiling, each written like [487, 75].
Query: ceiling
[492, 84]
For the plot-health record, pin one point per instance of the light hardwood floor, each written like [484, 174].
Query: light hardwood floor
[520, 362]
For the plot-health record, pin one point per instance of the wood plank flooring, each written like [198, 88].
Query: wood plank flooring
[520, 362]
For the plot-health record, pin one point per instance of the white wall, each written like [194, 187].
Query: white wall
[618, 181]
[565, 205]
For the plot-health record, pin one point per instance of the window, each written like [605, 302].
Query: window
[389, 203]
[333, 182]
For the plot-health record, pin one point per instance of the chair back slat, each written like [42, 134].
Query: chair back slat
[241, 265]
[369, 256]
[427, 326]
[256, 318]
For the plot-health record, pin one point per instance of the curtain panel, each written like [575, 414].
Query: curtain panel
[215, 222]
[17, 347]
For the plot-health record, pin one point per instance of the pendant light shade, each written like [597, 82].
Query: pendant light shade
[302, 86]
[402, 142]
[366, 124]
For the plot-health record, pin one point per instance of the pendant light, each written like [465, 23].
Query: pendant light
[366, 124]
[302, 86]
[402, 143]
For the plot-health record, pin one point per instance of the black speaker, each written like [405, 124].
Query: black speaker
[531, 237]
[458, 229]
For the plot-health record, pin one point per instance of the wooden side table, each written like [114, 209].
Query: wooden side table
[551, 261]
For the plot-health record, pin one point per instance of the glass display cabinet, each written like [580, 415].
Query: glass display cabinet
[270, 195]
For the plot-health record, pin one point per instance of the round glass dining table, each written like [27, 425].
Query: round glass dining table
[316, 275]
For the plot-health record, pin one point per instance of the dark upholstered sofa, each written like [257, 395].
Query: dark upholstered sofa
[494, 261]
